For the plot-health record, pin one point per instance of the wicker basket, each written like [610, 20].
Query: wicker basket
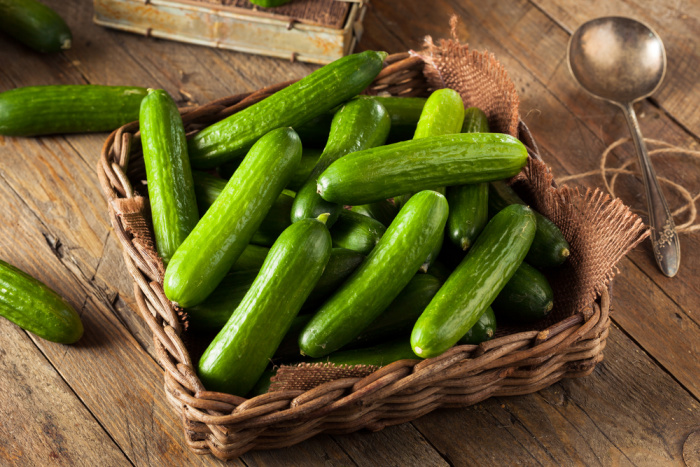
[227, 426]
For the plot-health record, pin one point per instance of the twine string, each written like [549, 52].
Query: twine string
[665, 148]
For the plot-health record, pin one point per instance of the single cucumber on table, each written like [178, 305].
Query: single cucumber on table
[549, 248]
[482, 331]
[383, 211]
[213, 312]
[473, 286]
[35, 25]
[468, 203]
[313, 95]
[238, 355]
[356, 232]
[526, 298]
[387, 171]
[83, 108]
[170, 186]
[33, 306]
[359, 124]
[380, 278]
[221, 235]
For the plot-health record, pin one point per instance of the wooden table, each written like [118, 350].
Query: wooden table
[101, 402]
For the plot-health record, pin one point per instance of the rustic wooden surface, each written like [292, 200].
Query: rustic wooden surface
[101, 402]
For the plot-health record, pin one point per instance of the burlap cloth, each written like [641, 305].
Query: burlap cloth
[600, 230]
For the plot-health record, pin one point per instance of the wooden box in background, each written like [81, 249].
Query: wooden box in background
[315, 31]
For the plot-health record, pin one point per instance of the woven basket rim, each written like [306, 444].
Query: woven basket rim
[207, 416]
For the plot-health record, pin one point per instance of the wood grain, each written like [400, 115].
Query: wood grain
[42, 421]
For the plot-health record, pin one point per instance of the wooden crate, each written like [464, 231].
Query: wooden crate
[315, 31]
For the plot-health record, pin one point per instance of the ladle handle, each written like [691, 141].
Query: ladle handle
[664, 239]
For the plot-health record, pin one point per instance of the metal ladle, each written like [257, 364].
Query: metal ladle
[622, 61]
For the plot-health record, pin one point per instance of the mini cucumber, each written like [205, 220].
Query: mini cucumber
[383, 211]
[269, 3]
[319, 92]
[549, 248]
[35, 25]
[471, 288]
[359, 124]
[468, 203]
[33, 306]
[238, 355]
[380, 278]
[222, 234]
[356, 232]
[475, 121]
[482, 331]
[443, 114]
[170, 186]
[387, 171]
[208, 187]
[213, 312]
[526, 298]
[45, 110]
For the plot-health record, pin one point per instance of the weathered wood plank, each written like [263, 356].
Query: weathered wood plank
[43, 422]
[572, 129]
[628, 412]
[676, 22]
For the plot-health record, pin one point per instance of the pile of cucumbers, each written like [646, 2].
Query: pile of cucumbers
[322, 225]
[399, 239]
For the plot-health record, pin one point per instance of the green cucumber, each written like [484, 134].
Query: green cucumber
[252, 257]
[384, 211]
[380, 278]
[309, 159]
[468, 203]
[342, 263]
[526, 298]
[387, 171]
[222, 234]
[319, 92]
[238, 355]
[403, 312]
[170, 186]
[359, 124]
[482, 331]
[45, 110]
[213, 312]
[35, 25]
[475, 121]
[443, 114]
[468, 213]
[433, 255]
[471, 288]
[549, 248]
[208, 187]
[33, 306]
[356, 232]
